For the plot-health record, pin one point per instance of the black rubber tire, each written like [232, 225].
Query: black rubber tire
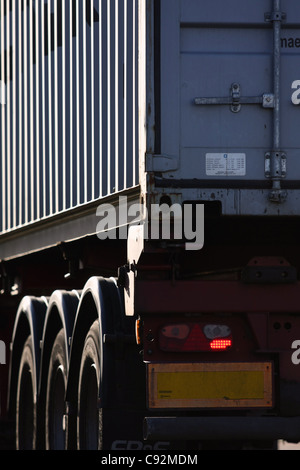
[88, 436]
[55, 397]
[26, 409]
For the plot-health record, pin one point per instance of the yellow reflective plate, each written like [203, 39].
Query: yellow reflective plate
[213, 385]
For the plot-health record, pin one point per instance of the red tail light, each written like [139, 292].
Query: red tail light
[220, 344]
[193, 337]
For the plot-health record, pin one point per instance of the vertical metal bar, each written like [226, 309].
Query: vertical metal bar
[20, 101]
[63, 122]
[16, 101]
[84, 52]
[78, 100]
[31, 116]
[37, 113]
[43, 45]
[92, 95]
[50, 156]
[8, 129]
[14, 84]
[1, 121]
[3, 128]
[277, 63]
[125, 93]
[116, 95]
[25, 91]
[71, 98]
[276, 194]
[134, 116]
[100, 103]
[108, 99]
[56, 97]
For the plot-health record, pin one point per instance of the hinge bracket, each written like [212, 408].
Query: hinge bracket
[275, 16]
[160, 163]
[275, 165]
[276, 169]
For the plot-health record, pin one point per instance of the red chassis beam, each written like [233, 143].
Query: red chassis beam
[215, 296]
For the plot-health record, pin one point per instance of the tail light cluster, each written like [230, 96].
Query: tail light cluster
[193, 337]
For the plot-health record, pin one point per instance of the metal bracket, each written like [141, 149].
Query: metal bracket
[269, 275]
[236, 97]
[275, 169]
[269, 270]
[4, 278]
[268, 100]
[161, 163]
[73, 260]
[275, 16]
[235, 101]
[275, 165]
[128, 274]
[275, 162]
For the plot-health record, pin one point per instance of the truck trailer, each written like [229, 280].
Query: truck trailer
[149, 225]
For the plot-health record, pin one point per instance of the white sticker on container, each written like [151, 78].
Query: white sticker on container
[225, 164]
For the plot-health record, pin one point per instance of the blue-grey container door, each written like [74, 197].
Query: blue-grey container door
[233, 125]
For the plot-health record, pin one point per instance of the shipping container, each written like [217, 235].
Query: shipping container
[149, 224]
[70, 107]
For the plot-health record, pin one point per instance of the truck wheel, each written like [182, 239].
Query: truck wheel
[26, 413]
[88, 413]
[55, 400]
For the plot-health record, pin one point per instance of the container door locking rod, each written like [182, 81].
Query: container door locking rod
[275, 160]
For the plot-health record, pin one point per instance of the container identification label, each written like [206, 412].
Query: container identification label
[225, 164]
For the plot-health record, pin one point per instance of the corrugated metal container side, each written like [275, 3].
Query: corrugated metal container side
[69, 114]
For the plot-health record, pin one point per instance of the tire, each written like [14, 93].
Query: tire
[26, 409]
[55, 398]
[88, 435]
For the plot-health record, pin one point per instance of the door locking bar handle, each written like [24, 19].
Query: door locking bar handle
[236, 100]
